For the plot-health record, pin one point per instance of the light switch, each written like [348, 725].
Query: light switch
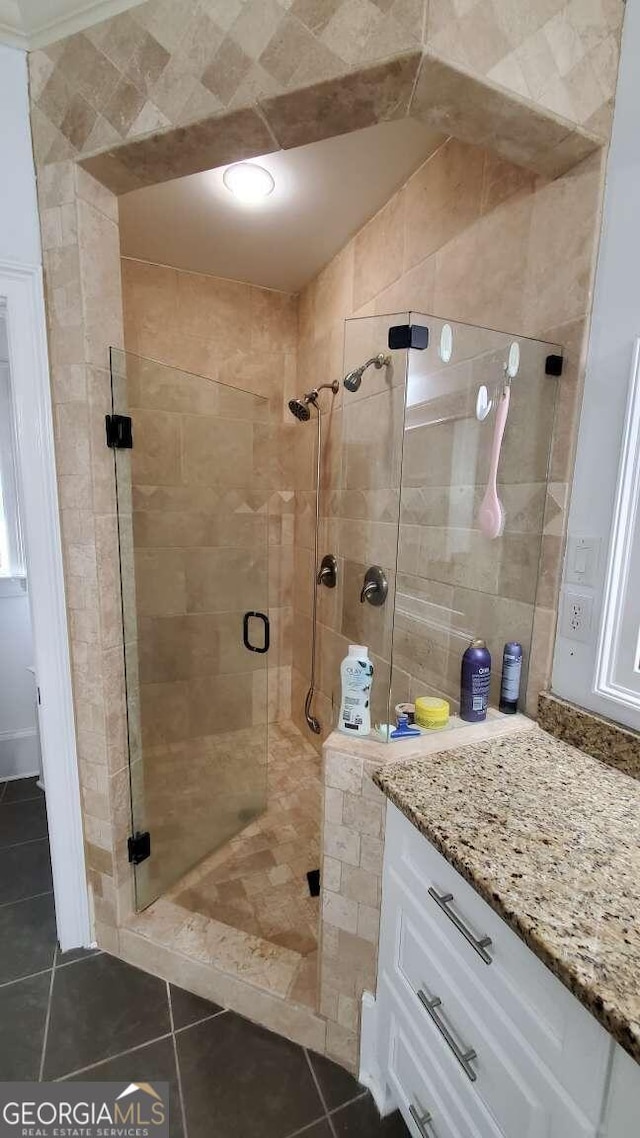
[583, 554]
[581, 561]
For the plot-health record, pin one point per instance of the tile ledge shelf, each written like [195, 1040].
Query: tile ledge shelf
[458, 734]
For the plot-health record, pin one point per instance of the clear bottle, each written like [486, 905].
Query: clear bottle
[356, 675]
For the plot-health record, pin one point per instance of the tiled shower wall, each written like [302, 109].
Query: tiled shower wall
[469, 238]
[244, 337]
[162, 65]
[453, 583]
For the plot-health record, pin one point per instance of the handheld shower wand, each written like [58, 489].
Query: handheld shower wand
[301, 409]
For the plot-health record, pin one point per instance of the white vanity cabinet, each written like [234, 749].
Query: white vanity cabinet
[471, 1036]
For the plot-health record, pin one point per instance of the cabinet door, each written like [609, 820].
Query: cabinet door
[622, 1116]
[433, 1101]
[503, 1074]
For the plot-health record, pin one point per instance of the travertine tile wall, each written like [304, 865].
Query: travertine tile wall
[562, 56]
[354, 818]
[353, 831]
[453, 583]
[470, 238]
[81, 257]
[160, 66]
[244, 337]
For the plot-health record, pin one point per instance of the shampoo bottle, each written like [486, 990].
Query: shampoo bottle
[356, 674]
[475, 680]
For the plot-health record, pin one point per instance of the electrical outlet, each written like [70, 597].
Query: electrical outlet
[577, 612]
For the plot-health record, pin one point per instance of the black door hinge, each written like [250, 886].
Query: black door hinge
[408, 336]
[553, 365]
[139, 846]
[119, 432]
[313, 879]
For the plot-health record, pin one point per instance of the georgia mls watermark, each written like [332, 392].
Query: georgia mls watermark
[84, 1110]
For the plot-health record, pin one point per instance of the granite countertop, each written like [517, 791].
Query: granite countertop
[550, 838]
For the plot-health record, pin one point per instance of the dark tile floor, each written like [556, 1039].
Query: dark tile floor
[87, 1015]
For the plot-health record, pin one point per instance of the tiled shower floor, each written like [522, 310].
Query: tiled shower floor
[257, 883]
[88, 1016]
[246, 909]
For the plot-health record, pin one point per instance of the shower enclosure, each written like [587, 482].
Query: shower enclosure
[193, 530]
[404, 464]
[415, 456]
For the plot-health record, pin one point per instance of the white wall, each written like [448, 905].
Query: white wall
[21, 288]
[19, 232]
[615, 324]
[19, 751]
[18, 731]
[19, 242]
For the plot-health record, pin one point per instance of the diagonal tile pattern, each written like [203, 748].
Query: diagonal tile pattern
[145, 69]
[257, 882]
[27, 921]
[130, 1008]
[560, 55]
[246, 909]
[244, 78]
[90, 1016]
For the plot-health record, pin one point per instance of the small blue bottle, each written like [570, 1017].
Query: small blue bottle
[475, 680]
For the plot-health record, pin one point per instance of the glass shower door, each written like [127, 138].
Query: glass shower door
[193, 532]
[455, 580]
[367, 502]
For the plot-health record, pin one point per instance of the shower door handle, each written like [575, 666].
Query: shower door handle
[245, 632]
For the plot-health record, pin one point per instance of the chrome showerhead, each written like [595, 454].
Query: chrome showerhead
[353, 379]
[300, 407]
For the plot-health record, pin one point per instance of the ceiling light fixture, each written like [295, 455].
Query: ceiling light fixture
[248, 182]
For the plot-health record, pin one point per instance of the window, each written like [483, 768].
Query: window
[11, 551]
[618, 663]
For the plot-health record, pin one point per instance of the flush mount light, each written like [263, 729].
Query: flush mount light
[248, 182]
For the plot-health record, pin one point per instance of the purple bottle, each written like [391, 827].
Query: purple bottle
[475, 680]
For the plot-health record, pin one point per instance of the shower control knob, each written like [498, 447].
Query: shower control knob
[375, 587]
[328, 571]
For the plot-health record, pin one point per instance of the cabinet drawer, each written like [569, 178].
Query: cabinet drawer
[484, 1052]
[433, 1104]
[517, 994]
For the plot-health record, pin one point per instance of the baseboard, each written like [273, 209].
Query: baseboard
[19, 754]
[370, 1075]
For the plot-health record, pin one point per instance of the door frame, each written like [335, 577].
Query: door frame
[21, 288]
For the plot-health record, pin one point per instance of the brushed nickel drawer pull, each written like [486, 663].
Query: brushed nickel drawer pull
[464, 1057]
[443, 900]
[422, 1121]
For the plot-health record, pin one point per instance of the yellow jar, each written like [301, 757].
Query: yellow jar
[432, 713]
